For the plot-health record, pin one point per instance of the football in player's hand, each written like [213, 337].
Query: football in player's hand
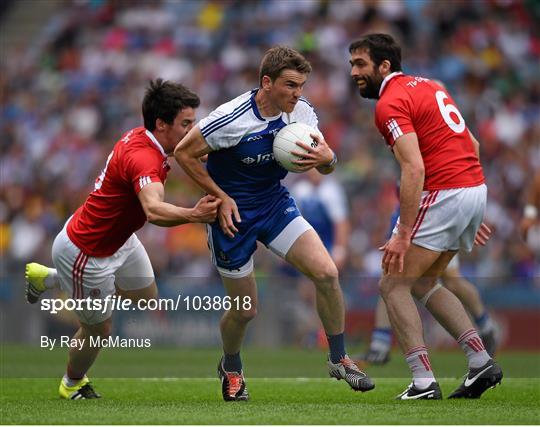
[285, 143]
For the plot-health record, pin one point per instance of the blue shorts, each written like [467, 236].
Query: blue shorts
[276, 224]
[393, 222]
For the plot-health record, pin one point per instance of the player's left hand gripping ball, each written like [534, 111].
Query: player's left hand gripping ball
[315, 155]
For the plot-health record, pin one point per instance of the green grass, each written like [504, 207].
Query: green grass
[286, 387]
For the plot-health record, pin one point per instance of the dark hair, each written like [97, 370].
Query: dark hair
[280, 58]
[163, 100]
[379, 47]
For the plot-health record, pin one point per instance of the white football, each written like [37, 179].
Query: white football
[285, 142]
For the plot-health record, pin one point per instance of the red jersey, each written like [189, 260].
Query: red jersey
[113, 212]
[414, 104]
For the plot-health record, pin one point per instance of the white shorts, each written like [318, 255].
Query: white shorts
[449, 219]
[83, 276]
[454, 263]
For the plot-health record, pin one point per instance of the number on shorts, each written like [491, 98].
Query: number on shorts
[446, 110]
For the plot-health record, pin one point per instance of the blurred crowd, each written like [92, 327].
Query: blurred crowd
[66, 98]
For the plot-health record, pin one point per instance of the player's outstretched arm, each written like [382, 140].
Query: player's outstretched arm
[188, 153]
[165, 214]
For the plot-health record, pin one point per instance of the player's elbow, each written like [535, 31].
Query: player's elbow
[158, 220]
[152, 219]
[151, 214]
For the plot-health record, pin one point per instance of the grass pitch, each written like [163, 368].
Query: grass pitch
[171, 386]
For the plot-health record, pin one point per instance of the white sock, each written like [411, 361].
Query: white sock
[474, 348]
[51, 281]
[418, 361]
[68, 382]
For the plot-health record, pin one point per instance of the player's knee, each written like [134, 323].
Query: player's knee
[394, 285]
[243, 316]
[246, 315]
[385, 287]
[325, 276]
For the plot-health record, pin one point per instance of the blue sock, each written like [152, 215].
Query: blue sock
[482, 320]
[382, 337]
[232, 362]
[337, 347]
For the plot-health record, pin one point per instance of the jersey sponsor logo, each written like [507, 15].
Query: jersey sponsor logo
[261, 158]
[254, 138]
[248, 160]
[394, 128]
[144, 180]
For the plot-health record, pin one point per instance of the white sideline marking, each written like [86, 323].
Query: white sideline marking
[263, 379]
[168, 379]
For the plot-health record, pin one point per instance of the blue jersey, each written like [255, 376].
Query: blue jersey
[242, 161]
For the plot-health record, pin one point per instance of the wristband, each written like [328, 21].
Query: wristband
[530, 212]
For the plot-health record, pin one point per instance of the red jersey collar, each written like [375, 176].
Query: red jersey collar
[155, 141]
[387, 79]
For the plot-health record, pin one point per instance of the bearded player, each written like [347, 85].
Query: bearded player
[442, 203]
